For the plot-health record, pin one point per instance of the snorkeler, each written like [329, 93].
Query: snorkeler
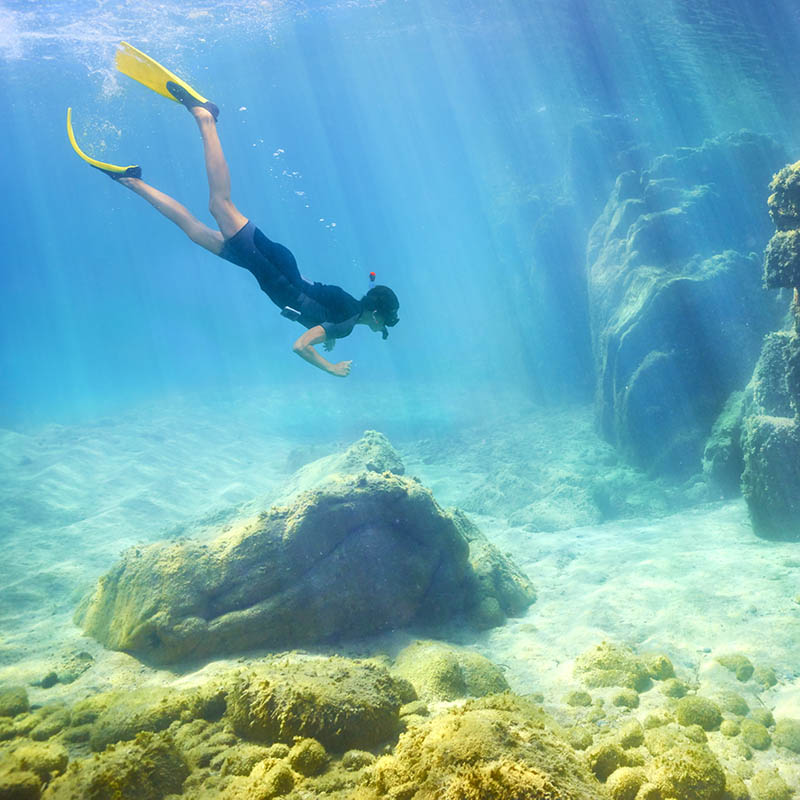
[328, 312]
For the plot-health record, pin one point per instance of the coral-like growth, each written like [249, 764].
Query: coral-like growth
[308, 757]
[341, 703]
[612, 665]
[443, 672]
[500, 780]
[13, 701]
[768, 785]
[700, 711]
[624, 783]
[146, 769]
[784, 199]
[787, 734]
[471, 750]
[689, 772]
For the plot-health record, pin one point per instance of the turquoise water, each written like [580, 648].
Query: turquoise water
[470, 154]
[423, 141]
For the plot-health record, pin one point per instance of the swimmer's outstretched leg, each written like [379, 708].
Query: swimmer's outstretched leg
[228, 217]
[175, 212]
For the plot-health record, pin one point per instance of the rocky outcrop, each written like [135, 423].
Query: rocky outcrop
[676, 312]
[359, 553]
[771, 431]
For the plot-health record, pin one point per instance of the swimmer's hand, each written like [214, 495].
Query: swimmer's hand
[329, 344]
[342, 369]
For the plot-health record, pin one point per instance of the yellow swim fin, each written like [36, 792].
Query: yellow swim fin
[147, 71]
[112, 170]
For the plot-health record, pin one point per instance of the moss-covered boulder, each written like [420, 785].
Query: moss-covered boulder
[624, 783]
[611, 664]
[787, 734]
[148, 768]
[16, 784]
[769, 785]
[359, 554]
[125, 714]
[688, 772]
[439, 671]
[737, 663]
[13, 701]
[45, 759]
[341, 703]
[755, 735]
[500, 589]
[308, 757]
[498, 748]
[695, 710]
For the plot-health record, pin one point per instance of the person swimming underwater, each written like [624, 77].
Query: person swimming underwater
[326, 311]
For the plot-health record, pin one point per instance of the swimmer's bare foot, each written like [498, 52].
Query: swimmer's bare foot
[192, 103]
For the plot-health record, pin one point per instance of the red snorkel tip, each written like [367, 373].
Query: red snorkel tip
[372, 277]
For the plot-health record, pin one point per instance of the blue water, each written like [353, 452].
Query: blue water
[421, 140]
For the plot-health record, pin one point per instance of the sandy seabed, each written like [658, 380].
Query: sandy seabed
[693, 583]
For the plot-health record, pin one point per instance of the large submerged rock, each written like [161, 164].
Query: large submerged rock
[770, 440]
[677, 314]
[358, 554]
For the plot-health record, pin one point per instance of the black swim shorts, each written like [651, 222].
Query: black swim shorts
[273, 265]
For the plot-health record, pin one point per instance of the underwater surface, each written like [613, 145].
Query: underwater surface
[540, 542]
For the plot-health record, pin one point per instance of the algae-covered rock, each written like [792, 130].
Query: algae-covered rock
[722, 456]
[354, 760]
[125, 714]
[148, 768]
[625, 698]
[500, 780]
[765, 676]
[700, 711]
[688, 772]
[343, 704]
[771, 478]
[605, 758]
[630, 735]
[625, 782]
[308, 757]
[240, 759]
[769, 785]
[13, 701]
[493, 747]
[755, 735]
[578, 699]
[46, 760]
[439, 671]
[267, 780]
[672, 687]
[771, 426]
[740, 665]
[729, 727]
[763, 715]
[659, 666]
[500, 589]
[735, 788]
[612, 665]
[787, 734]
[19, 784]
[784, 198]
[356, 555]
[733, 703]
[52, 720]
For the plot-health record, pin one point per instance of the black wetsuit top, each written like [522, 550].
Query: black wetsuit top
[275, 269]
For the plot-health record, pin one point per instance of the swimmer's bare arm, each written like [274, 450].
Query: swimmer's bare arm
[304, 347]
